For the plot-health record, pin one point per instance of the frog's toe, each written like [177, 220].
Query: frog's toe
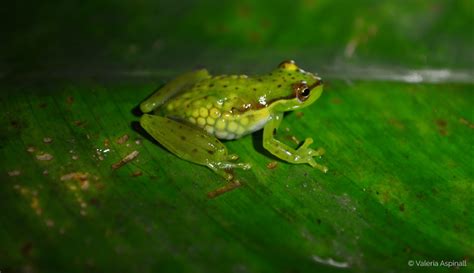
[308, 141]
[225, 169]
[318, 152]
[318, 166]
[226, 173]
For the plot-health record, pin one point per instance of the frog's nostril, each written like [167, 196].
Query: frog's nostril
[317, 83]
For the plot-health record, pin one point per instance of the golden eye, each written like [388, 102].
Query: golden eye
[302, 91]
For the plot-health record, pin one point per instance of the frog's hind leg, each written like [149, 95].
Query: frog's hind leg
[192, 144]
[172, 88]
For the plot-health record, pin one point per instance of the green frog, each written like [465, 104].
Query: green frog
[191, 113]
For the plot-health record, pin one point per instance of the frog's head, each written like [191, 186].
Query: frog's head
[298, 88]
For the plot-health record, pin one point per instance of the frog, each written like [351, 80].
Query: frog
[191, 114]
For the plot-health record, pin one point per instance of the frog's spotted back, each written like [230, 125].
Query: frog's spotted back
[230, 106]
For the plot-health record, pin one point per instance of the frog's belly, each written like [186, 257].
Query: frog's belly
[229, 125]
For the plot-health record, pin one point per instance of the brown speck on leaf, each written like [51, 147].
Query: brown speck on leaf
[94, 202]
[36, 206]
[49, 223]
[122, 139]
[299, 114]
[79, 176]
[254, 36]
[26, 249]
[44, 157]
[336, 101]
[43, 105]
[244, 11]
[45, 172]
[442, 127]
[85, 184]
[466, 122]
[14, 173]
[272, 165]
[106, 143]
[70, 100]
[402, 207]
[137, 173]
[441, 123]
[126, 159]
[47, 140]
[396, 123]
[99, 186]
[79, 123]
[31, 149]
[229, 187]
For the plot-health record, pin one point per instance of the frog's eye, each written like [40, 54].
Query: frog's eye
[288, 65]
[305, 92]
[302, 91]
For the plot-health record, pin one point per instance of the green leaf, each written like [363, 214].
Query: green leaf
[395, 119]
[399, 186]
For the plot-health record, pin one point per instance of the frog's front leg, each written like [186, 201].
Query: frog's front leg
[303, 154]
[192, 144]
[172, 88]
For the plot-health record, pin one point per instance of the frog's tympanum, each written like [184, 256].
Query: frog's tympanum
[190, 113]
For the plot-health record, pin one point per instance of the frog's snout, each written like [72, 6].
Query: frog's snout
[317, 83]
